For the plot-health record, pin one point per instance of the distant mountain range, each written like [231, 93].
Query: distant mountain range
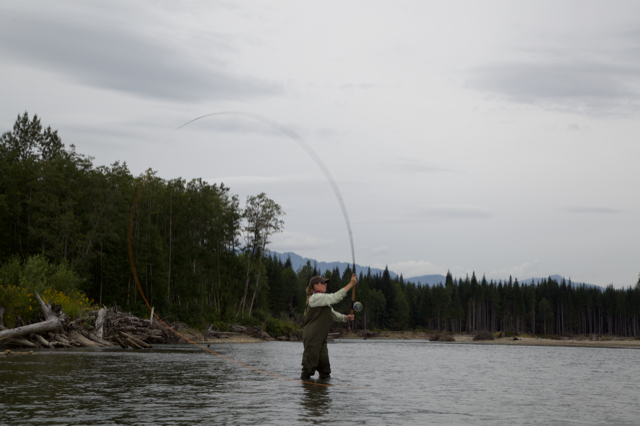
[298, 261]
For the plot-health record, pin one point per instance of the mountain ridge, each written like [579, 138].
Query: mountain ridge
[298, 261]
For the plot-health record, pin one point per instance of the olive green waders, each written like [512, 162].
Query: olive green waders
[317, 322]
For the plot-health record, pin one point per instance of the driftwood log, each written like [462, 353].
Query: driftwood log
[100, 323]
[135, 340]
[2, 327]
[120, 342]
[82, 340]
[52, 321]
[43, 341]
[94, 338]
[131, 343]
[22, 342]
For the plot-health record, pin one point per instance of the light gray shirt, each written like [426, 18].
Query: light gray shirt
[327, 299]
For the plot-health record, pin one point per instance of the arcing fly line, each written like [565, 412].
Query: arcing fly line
[303, 145]
[327, 174]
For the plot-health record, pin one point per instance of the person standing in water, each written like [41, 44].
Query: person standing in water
[318, 317]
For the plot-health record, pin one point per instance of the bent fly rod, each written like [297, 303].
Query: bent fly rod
[292, 135]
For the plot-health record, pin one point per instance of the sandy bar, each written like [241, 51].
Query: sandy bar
[575, 341]
[613, 342]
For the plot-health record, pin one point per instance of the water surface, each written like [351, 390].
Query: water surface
[402, 382]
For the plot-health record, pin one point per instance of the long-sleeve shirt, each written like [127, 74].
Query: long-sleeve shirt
[326, 299]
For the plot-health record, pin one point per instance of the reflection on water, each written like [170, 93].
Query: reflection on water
[402, 382]
[315, 402]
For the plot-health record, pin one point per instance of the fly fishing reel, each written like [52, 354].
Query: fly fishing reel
[357, 306]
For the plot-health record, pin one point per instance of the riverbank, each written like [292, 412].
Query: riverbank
[461, 338]
[465, 338]
[201, 338]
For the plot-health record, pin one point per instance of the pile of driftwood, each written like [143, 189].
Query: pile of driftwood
[105, 327]
[54, 331]
[127, 330]
[110, 327]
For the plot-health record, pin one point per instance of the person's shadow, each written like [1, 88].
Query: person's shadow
[315, 402]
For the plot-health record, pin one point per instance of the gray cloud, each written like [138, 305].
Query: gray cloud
[455, 212]
[362, 86]
[404, 165]
[575, 78]
[98, 52]
[577, 128]
[328, 133]
[594, 210]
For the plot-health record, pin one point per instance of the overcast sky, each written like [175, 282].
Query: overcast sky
[495, 137]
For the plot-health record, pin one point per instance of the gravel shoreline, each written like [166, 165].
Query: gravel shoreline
[572, 341]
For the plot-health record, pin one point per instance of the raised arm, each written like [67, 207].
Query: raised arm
[352, 283]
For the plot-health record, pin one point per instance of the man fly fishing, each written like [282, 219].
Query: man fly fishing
[318, 317]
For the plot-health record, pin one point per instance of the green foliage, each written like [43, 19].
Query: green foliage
[484, 335]
[64, 279]
[10, 271]
[55, 284]
[74, 304]
[545, 312]
[220, 326]
[278, 328]
[251, 321]
[260, 315]
[400, 310]
[18, 301]
[34, 274]
[29, 141]
[37, 275]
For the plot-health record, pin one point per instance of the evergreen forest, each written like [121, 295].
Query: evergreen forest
[202, 255]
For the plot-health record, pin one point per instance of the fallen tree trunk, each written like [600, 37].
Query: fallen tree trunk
[22, 342]
[60, 338]
[99, 340]
[43, 341]
[96, 339]
[51, 322]
[120, 342]
[82, 340]
[39, 327]
[136, 340]
[131, 343]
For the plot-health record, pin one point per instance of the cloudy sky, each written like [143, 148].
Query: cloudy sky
[495, 137]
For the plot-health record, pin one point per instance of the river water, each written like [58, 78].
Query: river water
[401, 382]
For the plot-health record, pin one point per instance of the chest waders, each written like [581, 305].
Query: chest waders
[317, 323]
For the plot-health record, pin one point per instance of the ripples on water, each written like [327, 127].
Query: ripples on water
[403, 382]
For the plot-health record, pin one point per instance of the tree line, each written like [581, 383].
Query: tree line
[198, 252]
[470, 305]
[202, 257]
